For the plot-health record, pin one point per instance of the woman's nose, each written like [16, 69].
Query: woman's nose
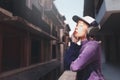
[76, 28]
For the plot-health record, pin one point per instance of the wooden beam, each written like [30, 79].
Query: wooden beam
[5, 12]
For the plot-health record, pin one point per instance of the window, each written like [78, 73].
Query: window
[35, 51]
[11, 52]
[29, 3]
[41, 2]
[48, 4]
[53, 51]
[7, 4]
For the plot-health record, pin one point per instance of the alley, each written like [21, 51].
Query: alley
[34, 36]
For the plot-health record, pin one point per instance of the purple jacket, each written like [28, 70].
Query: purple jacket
[88, 60]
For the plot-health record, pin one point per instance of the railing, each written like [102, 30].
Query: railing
[68, 75]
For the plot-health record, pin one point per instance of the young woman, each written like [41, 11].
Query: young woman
[88, 63]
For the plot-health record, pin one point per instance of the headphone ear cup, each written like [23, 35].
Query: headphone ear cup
[89, 29]
[92, 31]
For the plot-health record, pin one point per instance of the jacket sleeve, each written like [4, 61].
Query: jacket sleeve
[71, 54]
[85, 57]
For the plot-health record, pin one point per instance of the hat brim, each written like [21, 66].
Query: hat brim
[76, 19]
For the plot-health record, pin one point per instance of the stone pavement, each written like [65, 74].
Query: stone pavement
[110, 71]
[68, 75]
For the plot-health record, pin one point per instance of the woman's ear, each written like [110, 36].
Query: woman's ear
[73, 39]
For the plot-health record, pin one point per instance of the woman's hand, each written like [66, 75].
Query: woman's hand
[75, 40]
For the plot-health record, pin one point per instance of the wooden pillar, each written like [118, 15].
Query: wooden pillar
[26, 42]
[61, 50]
[42, 51]
[1, 39]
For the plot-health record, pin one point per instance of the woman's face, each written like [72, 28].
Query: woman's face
[80, 29]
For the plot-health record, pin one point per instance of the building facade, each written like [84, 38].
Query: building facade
[107, 13]
[30, 35]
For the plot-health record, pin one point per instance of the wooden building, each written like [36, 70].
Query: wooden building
[30, 33]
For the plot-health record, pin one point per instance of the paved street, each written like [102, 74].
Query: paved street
[110, 72]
